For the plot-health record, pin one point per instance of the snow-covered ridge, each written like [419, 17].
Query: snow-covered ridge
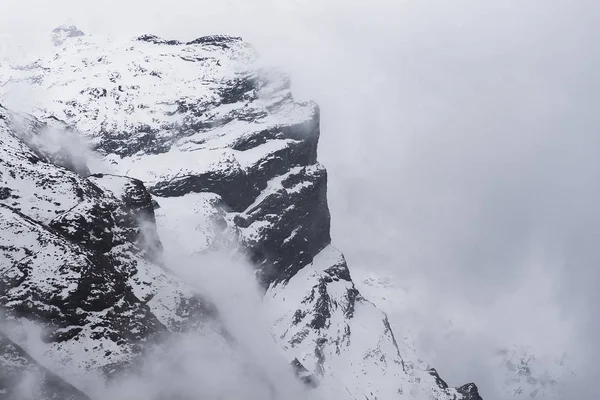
[229, 157]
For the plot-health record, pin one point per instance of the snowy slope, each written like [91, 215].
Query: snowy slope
[231, 159]
[344, 339]
[74, 259]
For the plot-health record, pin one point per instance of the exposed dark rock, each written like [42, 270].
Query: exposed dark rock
[440, 382]
[5, 193]
[285, 246]
[241, 89]
[215, 40]
[470, 392]
[90, 224]
[234, 186]
[99, 288]
[142, 140]
[156, 40]
[134, 215]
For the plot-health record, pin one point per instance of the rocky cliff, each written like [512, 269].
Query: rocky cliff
[205, 142]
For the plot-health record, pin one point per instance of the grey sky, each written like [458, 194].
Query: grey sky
[461, 140]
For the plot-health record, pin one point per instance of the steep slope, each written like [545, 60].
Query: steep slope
[231, 158]
[74, 259]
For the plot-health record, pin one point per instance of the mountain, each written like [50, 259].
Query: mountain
[530, 376]
[76, 261]
[209, 145]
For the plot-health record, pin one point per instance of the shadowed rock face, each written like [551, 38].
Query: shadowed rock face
[470, 392]
[229, 156]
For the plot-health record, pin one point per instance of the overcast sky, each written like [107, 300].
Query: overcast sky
[462, 143]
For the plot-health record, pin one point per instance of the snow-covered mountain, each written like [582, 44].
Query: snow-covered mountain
[207, 144]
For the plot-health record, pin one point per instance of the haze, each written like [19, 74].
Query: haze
[461, 140]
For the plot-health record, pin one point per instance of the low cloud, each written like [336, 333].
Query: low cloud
[59, 143]
[461, 145]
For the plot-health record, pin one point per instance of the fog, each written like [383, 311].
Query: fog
[245, 365]
[195, 365]
[232, 356]
[460, 139]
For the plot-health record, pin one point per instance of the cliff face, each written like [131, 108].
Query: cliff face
[209, 145]
[76, 260]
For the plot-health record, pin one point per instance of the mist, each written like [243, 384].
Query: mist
[190, 365]
[232, 356]
[244, 364]
[461, 143]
